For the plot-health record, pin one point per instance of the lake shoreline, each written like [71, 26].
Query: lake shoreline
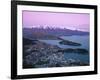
[41, 54]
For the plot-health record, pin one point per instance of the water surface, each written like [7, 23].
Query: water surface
[83, 40]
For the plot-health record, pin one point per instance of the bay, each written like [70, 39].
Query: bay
[83, 40]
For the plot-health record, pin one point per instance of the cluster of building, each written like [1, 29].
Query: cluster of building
[44, 55]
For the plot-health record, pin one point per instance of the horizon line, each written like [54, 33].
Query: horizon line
[55, 28]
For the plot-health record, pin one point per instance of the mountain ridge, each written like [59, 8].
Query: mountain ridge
[53, 33]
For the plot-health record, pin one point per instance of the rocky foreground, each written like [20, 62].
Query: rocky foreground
[40, 55]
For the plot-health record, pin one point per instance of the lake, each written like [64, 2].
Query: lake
[84, 40]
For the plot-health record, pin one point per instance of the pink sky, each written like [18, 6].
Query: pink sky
[61, 20]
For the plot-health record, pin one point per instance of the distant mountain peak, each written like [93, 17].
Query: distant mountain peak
[50, 32]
